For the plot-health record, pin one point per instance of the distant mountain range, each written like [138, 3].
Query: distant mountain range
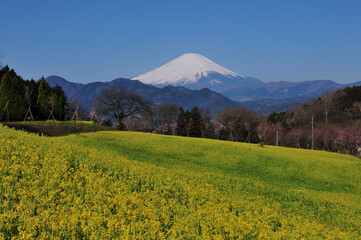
[281, 96]
[193, 80]
[282, 90]
[203, 98]
[266, 106]
[195, 71]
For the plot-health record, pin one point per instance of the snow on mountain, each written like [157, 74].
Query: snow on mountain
[185, 69]
[195, 72]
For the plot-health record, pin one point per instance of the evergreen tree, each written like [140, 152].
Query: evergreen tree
[33, 88]
[36, 94]
[43, 100]
[6, 69]
[181, 123]
[12, 91]
[60, 103]
[195, 130]
[3, 71]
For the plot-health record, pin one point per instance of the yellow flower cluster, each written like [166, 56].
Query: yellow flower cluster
[52, 189]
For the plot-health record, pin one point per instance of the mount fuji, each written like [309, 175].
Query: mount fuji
[195, 71]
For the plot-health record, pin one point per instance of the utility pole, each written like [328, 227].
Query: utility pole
[312, 134]
[326, 113]
[277, 137]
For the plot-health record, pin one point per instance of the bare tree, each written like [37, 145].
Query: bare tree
[189, 124]
[234, 118]
[75, 110]
[119, 103]
[168, 113]
[165, 115]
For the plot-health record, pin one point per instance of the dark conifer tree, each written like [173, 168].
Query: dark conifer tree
[12, 92]
[37, 94]
[60, 103]
[6, 69]
[33, 88]
[43, 100]
[195, 130]
[181, 123]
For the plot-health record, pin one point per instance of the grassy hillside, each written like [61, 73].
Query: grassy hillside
[116, 184]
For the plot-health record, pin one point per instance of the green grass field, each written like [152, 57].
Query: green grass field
[146, 186]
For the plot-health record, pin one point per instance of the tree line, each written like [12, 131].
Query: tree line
[331, 122]
[335, 119]
[21, 98]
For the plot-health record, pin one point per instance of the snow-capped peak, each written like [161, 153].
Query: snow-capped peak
[186, 69]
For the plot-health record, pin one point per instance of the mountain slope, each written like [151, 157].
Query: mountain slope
[181, 96]
[281, 96]
[261, 98]
[203, 98]
[69, 88]
[282, 90]
[267, 106]
[195, 71]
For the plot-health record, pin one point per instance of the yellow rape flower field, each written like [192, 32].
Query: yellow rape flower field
[126, 185]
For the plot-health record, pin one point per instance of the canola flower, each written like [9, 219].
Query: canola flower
[66, 188]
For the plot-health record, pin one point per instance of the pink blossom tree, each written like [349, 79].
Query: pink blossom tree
[231, 126]
[217, 126]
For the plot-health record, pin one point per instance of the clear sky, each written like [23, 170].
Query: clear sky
[86, 41]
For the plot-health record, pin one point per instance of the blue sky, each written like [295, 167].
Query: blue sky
[86, 41]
